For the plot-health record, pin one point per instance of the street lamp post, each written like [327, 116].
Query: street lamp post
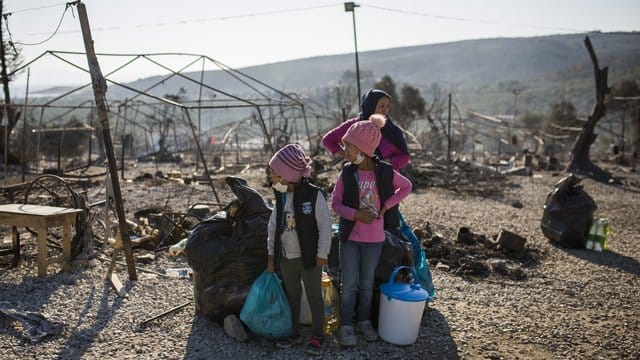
[515, 113]
[351, 7]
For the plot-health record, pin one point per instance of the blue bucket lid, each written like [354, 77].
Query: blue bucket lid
[402, 291]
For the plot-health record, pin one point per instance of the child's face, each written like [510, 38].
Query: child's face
[350, 151]
[383, 106]
[276, 179]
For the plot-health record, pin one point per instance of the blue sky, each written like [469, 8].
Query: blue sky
[242, 33]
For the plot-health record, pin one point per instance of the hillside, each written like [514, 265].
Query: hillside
[480, 73]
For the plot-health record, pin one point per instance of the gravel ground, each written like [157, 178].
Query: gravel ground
[576, 304]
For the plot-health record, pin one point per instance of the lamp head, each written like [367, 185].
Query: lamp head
[350, 6]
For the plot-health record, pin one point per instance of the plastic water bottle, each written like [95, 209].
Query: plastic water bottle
[606, 230]
[331, 319]
[182, 273]
[598, 235]
[178, 248]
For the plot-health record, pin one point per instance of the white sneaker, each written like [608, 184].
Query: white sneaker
[367, 330]
[348, 336]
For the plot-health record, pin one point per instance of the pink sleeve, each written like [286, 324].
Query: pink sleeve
[337, 204]
[332, 139]
[399, 160]
[390, 153]
[402, 187]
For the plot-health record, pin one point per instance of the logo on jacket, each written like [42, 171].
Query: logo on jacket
[306, 208]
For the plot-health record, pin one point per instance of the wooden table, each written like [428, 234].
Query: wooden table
[40, 217]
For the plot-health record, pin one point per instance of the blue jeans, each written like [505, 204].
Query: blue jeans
[358, 261]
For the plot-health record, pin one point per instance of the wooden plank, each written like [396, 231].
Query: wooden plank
[42, 252]
[36, 210]
[117, 285]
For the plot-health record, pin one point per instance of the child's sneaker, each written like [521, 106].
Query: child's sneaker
[289, 342]
[348, 336]
[367, 330]
[314, 346]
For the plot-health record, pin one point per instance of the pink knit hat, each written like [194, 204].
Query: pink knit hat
[291, 163]
[365, 134]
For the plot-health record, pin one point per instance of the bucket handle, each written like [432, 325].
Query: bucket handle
[414, 283]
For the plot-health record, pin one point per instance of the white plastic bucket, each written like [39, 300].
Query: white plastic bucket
[401, 309]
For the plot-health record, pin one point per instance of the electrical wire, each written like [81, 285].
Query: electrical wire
[201, 20]
[11, 42]
[36, 8]
[445, 17]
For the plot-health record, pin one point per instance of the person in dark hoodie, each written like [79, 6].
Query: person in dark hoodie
[392, 148]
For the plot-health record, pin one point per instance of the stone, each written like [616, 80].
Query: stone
[234, 328]
[511, 242]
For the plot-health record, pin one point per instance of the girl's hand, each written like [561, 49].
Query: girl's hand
[382, 211]
[270, 267]
[365, 215]
[320, 262]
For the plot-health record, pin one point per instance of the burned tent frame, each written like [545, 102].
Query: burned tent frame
[254, 94]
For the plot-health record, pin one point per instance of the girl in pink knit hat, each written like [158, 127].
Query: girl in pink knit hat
[299, 239]
[366, 196]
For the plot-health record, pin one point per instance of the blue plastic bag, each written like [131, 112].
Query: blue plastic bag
[420, 260]
[266, 311]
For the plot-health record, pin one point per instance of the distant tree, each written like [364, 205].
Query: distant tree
[404, 108]
[562, 114]
[412, 105]
[10, 60]
[532, 120]
[387, 85]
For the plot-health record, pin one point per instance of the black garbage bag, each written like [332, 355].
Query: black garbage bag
[208, 242]
[568, 212]
[396, 251]
[228, 254]
[224, 292]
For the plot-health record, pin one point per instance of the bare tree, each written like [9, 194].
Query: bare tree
[580, 161]
[9, 59]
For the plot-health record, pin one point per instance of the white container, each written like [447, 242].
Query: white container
[305, 309]
[182, 273]
[401, 309]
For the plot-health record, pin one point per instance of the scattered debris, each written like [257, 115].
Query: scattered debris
[35, 325]
[473, 254]
[117, 284]
[155, 317]
[511, 242]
